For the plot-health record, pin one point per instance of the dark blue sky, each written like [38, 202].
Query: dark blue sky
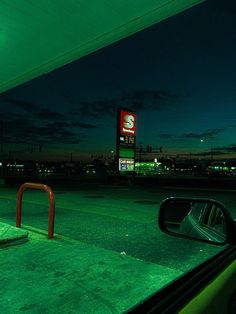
[179, 75]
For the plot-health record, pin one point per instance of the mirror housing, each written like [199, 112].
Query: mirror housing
[198, 219]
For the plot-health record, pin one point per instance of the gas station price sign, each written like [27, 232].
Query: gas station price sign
[126, 164]
[127, 139]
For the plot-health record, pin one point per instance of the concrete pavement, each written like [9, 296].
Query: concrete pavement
[107, 255]
[67, 276]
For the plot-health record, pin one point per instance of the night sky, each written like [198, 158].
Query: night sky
[179, 76]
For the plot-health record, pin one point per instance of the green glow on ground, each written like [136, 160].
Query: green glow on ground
[108, 253]
[75, 277]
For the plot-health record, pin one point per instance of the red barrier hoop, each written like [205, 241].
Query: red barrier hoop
[51, 198]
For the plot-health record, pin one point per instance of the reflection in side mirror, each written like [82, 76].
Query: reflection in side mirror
[194, 218]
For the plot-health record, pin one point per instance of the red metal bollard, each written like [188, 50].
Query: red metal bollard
[51, 214]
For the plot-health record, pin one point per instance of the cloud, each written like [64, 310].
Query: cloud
[95, 109]
[194, 135]
[208, 153]
[138, 100]
[227, 149]
[65, 137]
[84, 125]
[22, 104]
[149, 99]
[58, 124]
[5, 116]
[47, 114]
[217, 151]
[210, 133]
[28, 131]
[165, 136]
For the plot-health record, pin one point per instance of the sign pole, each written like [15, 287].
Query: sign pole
[117, 143]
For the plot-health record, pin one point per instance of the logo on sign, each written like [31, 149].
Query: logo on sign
[128, 123]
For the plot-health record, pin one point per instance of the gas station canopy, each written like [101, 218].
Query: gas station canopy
[37, 37]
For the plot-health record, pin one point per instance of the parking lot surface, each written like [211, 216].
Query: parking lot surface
[108, 253]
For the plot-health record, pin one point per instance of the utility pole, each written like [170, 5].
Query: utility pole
[1, 135]
[211, 152]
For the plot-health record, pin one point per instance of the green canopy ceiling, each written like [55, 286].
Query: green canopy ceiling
[38, 36]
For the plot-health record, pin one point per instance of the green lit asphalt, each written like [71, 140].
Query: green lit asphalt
[108, 253]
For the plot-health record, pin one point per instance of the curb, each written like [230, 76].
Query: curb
[12, 235]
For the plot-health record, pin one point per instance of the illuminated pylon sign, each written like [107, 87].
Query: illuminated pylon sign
[127, 123]
[126, 138]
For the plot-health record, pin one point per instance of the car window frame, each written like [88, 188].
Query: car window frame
[177, 294]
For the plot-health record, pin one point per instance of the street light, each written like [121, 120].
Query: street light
[202, 140]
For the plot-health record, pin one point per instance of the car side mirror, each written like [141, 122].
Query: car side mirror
[199, 219]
